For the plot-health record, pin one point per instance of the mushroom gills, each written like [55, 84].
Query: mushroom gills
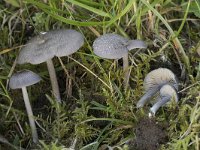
[132, 44]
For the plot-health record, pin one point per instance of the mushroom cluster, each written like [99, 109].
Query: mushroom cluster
[44, 47]
[161, 81]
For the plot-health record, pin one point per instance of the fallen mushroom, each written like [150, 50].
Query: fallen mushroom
[114, 46]
[162, 81]
[167, 92]
[21, 80]
[154, 81]
[44, 47]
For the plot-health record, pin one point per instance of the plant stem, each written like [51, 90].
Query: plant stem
[53, 78]
[30, 115]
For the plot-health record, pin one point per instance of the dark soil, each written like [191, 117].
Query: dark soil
[149, 135]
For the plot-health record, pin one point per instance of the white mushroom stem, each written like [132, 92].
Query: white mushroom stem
[146, 97]
[132, 44]
[54, 81]
[30, 115]
[126, 71]
[166, 94]
[161, 101]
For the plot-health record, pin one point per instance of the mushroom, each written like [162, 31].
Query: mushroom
[114, 46]
[154, 81]
[21, 80]
[44, 47]
[167, 92]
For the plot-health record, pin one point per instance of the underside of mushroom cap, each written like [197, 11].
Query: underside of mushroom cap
[169, 91]
[132, 44]
[110, 46]
[158, 77]
[53, 43]
[23, 78]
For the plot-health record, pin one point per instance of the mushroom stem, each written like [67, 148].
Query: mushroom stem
[54, 81]
[146, 97]
[132, 44]
[126, 71]
[30, 115]
[158, 104]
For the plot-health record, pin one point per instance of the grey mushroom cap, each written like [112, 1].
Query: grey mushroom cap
[70, 42]
[23, 78]
[114, 46]
[110, 46]
[52, 43]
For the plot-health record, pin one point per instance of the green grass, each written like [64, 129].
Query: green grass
[99, 112]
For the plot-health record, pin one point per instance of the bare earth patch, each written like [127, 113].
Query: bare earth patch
[149, 135]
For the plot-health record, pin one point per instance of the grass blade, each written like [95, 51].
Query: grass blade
[126, 10]
[176, 41]
[92, 9]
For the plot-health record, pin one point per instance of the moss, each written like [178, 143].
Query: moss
[101, 114]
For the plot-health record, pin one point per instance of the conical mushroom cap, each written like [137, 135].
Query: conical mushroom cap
[53, 43]
[23, 78]
[111, 46]
[158, 77]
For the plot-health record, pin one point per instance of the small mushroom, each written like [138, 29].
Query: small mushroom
[154, 81]
[114, 46]
[44, 47]
[167, 92]
[21, 80]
